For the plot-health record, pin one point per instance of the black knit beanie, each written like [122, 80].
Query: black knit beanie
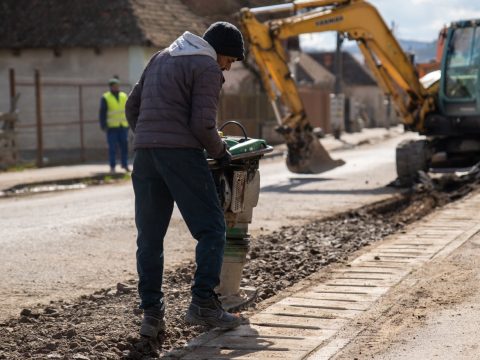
[226, 39]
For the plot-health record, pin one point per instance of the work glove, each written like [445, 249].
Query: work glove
[225, 160]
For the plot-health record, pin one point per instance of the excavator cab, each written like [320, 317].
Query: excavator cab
[460, 87]
[453, 128]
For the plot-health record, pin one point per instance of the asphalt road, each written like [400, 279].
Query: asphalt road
[61, 245]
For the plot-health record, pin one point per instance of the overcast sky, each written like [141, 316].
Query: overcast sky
[414, 19]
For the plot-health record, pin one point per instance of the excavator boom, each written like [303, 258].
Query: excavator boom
[443, 106]
[305, 153]
[359, 21]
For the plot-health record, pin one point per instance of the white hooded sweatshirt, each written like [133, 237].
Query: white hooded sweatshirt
[191, 44]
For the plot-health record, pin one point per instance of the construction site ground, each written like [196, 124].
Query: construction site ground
[309, 232]
[71, 243]
[412, 296]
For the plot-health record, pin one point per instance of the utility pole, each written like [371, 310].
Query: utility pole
[338, 67]
[38, 108]
[337, 99]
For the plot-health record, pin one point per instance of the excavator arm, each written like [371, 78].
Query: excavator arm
[359, 21]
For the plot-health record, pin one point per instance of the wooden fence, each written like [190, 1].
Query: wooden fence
[317, 107]
[8, 136]
[255, 112]
[59, 119]
[8, 146]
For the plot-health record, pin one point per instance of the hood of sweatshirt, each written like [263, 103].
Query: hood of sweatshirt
[191, 44]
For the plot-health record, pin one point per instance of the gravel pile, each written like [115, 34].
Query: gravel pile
[104, 325]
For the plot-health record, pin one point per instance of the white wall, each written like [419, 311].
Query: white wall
[75, 64]
[61, 103]
[373, 99]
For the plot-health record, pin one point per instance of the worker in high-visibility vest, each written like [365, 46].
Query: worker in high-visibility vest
[114, 122]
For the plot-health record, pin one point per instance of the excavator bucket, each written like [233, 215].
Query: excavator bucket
[306, 155]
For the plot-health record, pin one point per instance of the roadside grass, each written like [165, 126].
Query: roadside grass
[19, 167]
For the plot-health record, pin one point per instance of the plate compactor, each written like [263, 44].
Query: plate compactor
[238, 187]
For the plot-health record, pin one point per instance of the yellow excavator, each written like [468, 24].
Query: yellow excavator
[444, 105]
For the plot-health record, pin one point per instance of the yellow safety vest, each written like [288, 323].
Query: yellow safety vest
[116, 110]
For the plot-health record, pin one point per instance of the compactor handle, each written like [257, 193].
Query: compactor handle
[238, 124]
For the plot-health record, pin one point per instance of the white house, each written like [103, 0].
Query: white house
[77, 46]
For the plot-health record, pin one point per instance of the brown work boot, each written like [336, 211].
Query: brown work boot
[153, 321]
[209, 312]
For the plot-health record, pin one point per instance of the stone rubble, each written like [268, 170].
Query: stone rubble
[104, 325]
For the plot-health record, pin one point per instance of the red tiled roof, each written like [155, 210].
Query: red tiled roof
[354, 73]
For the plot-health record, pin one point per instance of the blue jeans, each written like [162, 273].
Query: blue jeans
[161, 177]
[117, 137]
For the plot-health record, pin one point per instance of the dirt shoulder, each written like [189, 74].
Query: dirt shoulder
[433, 314]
